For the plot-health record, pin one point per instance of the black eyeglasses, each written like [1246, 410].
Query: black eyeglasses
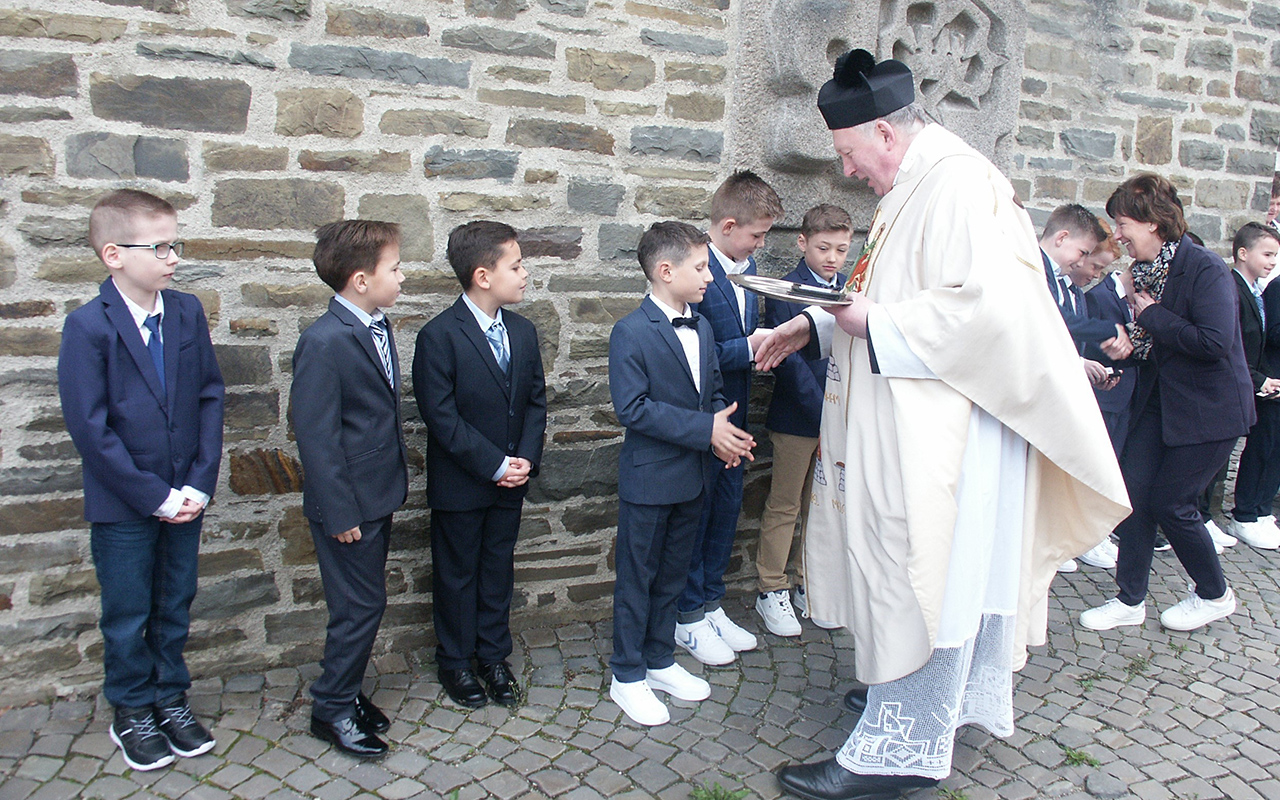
[161, 250]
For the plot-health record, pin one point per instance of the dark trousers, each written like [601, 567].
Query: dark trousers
[717, 529]
[473, 578]
[147, 571]
[654, 546]
[1117, 423]
[354, 575]
[1164, 485]
[1258, 478]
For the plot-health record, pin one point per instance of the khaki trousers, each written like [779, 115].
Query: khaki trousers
[793, 458]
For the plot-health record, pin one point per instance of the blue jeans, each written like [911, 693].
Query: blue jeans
[147, 570]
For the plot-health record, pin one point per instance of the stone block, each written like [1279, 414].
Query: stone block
[594, 197]
[585, 518]
[263, 471]
[296, 532]
[1050, 186]
[572, 472]
[1264, 127]
[42, 516]
[615, 242]
[1183, 84]
[1035, 138]
[246, 410]
[471, 201]
[569, 8]
[497, 9]
[37, 74]
[251, 327]
[1194, 154]
[1230, 131]
[506, 72]
[519, 98]
[688, 144]
[1225, 194]
[560, 135]
[335, 113]
[412, 213]
[296, 627]
[260, 295]
[14, 115]
[25, 155]
[369, 64]
[1171, 9]
[47, 588]
[224, 157]
[697, 107]
[673, 202]
[1147, 101]
[1261, 163]
[71, 269]
[1090, 144]
[1164, 48]
[1042, 112]
[282, 10]
[23, 557]
[422, 282]
[612, 108]
[59, 231]
[683, 43]
[245, 249]
[357, 161]
[25, 309]
[214, 105]
[113, 156]
[441, 163]
[231, 58]
[41, 479]
[541, 176]
[244, 365]
[39, 662]
[1064, 60]
[705, 74]
[557, 241]
[226, 598]
[65, 27]
[688, 19]
[1265, 15]
[352, 21]
[427, 122]
[1153, 143]
[1210, 53]
[609, 71]
[499, 41]
[269, 204]
[8, 267]
[1206, 226]
[1259, 88]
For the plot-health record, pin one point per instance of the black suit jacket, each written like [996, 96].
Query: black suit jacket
[1252, 333]
[475, 414]
[346, 418]
[1102, 302]
[1197, 358]
[1083, 330]
[798, 382]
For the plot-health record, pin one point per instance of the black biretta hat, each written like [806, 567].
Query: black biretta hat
[862, 90]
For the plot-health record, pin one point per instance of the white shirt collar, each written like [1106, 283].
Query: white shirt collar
[731, 267]
[1253, 285]
[666, 309]
[830, 284]
[1057, 270]
[136, 311]
[365, 318]
[484, 320]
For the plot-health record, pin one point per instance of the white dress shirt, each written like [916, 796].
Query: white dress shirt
[688, 340]
[486, 322]
[732, 267]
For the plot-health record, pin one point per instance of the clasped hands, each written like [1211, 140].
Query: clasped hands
[730, 443]
[189, 511]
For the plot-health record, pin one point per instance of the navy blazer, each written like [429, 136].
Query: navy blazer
[1271, 302]
[666, 455]
[1197, 358]
[476, 415]
[1252, 334]
[137, 441]
[720, 307]
[798, 382]
[1102, 302]
[346, 419]
[1083, 330]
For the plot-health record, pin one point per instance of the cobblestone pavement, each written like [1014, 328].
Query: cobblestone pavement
[1140, 713]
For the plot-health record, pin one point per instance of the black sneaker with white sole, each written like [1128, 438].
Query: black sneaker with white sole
[186, 736]
[134, 731]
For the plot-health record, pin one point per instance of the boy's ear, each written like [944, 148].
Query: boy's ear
[801, 242]
[1060, 237]
[110, 255]
[727, 225]
[663, 271]
[481, 278]
[1242, 253]
[359, 281]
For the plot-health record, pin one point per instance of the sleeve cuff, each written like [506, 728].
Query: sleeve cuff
[171, 506]
[194, 494]
[893, 357]
[502, 469]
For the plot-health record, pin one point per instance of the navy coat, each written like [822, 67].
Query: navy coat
[720, 307]
[798, 382]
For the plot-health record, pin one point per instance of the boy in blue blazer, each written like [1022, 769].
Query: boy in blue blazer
[667, 392]
[346, 419]
[142, 398]
[477, 376]
[743, 210]
[795, 413]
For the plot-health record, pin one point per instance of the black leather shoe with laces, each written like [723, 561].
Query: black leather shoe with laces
[501, 683]
[349, 737]
[187, 737]
[134, 731]
[370, 716]
[855, 699]
[827, 780]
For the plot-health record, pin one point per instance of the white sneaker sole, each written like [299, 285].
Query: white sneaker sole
[659, 685]
[779, 630]
[163, 761]
[1113, 624]
[1216, 616]
[199, 751]
[663, 719]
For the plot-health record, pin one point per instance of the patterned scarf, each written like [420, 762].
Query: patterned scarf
[1149, 277]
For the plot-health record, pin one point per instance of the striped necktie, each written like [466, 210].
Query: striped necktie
[378, 329]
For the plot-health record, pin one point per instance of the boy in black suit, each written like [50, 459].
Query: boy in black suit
[346, 414]
[667, 392]
[477, 376]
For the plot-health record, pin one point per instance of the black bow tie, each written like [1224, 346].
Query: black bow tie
[687, 322]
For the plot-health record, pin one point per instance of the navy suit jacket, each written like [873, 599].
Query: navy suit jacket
[1197, 358]
[346, 419]
[720, 307]
[666, 455]
[1271, 302]
[137, 441]
[1102, 302]
[1083, 330]
[1252, 334]
[476, 415]
[798, 382]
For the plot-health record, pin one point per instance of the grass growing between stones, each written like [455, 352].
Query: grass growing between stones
[1136, 666]
[952, 794]
[1078, 758]
[1087, 681]
[716, 792]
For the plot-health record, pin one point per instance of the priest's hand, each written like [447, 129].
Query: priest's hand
[785, 339]
[852, 318]
[730, 443]
[1118, 347]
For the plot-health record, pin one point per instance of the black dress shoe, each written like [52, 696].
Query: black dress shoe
[370, 716]
[349, 737]
[463, 686]
[855, 699]
[827, 780]
[501, 683]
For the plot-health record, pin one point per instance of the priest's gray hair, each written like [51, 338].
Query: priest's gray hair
[908, 119]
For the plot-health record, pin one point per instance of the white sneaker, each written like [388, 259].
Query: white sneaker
[730, 632]
[775, 609]
[639, 702]
[703, 643]
[676, 681]
[801, 604]
[1263, 534]
[1113, 614]
[1196, 612]
[1069, 565]
[1103, 555]
[1219, 538]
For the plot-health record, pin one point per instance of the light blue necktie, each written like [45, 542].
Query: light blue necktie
[494, 335]
[155, 346]
[1262, 312]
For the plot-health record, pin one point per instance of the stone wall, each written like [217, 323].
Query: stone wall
[579, 123]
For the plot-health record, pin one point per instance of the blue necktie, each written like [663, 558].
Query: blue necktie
[494, 335]
[155, 347]
[1262, 312]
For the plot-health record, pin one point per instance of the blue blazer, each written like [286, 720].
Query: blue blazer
[1197, 358]
[720, 307]
[476, 415]
[666, 455]
[1252, 334]
[1083, 330]
[346, 419]
[1102, 302]
[137, 441]
[798, 382]
[1271, 302]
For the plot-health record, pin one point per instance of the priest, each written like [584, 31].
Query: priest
[962, 457]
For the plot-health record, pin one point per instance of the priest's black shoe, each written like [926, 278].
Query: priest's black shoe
[827, 780]
[349, 737]
[370, 716]
[855, 699]
[463, 686]
[501, 683]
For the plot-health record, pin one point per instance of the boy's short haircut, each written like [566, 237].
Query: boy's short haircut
[1249, 235]
[349, 246]
[668, 241]
[1109, 244]
[112, 218]
[825, 218]
[1077, 219]
[477, 244]
[745, 197]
